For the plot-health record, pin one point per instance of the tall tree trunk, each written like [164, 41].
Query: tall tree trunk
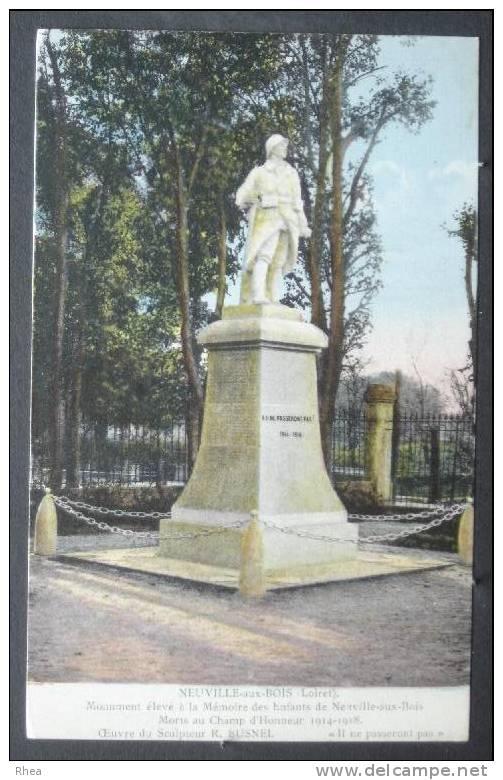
[56, 418]
[318, 315]
[73, 421]
[193, 427]
[336, 333]
[195, 394]
[222, 262]
[316, 243]
[56, 413]
[80, 282]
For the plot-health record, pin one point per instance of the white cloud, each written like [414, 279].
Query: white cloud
[457, 179]
[395, 171]
[457, 168]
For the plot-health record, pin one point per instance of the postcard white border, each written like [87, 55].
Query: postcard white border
[112, 711]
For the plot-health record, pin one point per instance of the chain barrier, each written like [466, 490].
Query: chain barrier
[62, 504]
[308, 535]
[113, 529]
[440, 514]
[438, 509]
[102, 510]
[449, 514]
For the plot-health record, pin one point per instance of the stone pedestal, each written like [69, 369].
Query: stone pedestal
[260, 448]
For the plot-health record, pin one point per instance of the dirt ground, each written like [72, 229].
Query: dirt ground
[88, 623]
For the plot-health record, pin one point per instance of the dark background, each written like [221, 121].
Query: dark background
[23, 30]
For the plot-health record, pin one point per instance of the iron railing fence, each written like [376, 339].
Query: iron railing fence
[348, 445]
[122, 455]
[433, 456]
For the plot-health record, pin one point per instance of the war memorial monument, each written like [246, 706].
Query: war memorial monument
[260, 447]
[259, 511]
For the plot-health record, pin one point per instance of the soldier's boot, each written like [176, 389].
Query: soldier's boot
[259, 276]
[274, 285]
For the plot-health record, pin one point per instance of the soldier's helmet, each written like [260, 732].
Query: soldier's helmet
[273, 141]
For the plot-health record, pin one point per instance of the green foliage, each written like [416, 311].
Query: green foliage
[134, 101]
[466, 229]
[128, 95]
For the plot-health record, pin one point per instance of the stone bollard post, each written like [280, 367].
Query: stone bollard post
[379, 400]
[251, 573]
[465, 536]
[46, 526]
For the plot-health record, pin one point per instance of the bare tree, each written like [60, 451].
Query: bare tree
[461, 382]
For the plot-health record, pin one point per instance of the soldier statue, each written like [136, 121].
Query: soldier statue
[272, 198]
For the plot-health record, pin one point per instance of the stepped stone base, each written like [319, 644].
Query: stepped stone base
[362, 565]
[280, 550]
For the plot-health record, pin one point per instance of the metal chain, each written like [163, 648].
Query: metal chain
[444, 515]
[417, 529]
[450, 513]
[307, 535]
[102, 510]
[207, 532]
[439, 509]
[62, 504]
[113, 529]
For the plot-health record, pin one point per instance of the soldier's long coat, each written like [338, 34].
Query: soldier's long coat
[273, 189]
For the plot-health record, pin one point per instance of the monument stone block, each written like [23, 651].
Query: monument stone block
[260, 448]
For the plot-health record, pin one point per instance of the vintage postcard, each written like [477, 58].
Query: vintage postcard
[254, 386]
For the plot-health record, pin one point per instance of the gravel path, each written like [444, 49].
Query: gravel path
[96, 624]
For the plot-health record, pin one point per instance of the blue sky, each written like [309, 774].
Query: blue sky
[420, 180]
[421, 314]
